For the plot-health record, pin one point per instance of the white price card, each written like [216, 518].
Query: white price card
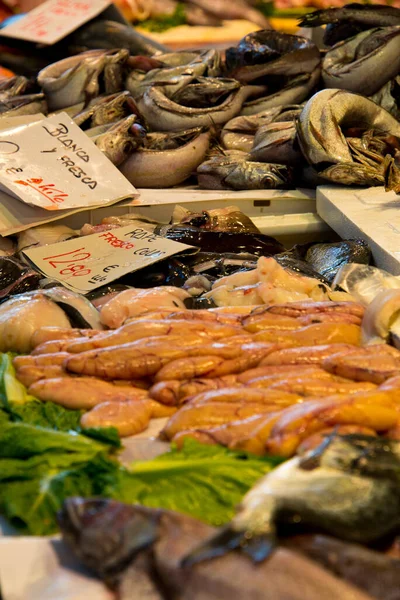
[54, 19]
[53, 164]
[86, 263]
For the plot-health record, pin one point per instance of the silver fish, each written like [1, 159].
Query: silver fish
[295, 92]
[238, 133]
[174, 78]
[319, 127]
[239, 173]
[162, 114]
[74, 79]
[276, 142]
[166, 168]
[364, 63]
[121, 139]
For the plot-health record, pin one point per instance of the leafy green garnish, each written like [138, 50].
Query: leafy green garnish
[203, 481]
[165, 22]
[45, 458]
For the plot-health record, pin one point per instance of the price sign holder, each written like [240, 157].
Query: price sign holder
[53, 165]
[88, 262]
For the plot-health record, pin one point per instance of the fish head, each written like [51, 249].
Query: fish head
[106, 535]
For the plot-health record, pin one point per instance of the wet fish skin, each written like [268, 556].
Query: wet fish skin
[29, 104]
[162, 114]
[364, 63]
[222, 172]
[166, 168]
[106, 109]
[364, 14]
[276, 142]
[271, 53]
[70, 80]
[296, 91]
[319, 124]
[388, 97]
[110, 34]
[205, 91]
[340, 488]
[353, 174]
[121, 139]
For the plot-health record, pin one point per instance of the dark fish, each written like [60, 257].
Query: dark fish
[374, 572]
[349, 20]
[138, 551]
[300, 266]
[258, 244]
[16, 277]
[327, 258]
[348, 487]
[109, 35]
[220, 264]
[205, 91]
[273, 54]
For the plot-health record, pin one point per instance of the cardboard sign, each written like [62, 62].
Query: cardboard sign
[86, 263]
[53, 164]
[54, 19]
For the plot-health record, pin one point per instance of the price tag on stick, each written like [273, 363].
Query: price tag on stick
[86, 263]
[53, 164]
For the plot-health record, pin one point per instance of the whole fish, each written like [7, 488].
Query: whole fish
[348, 487]
[138, 551]
[75, 79]
[110, 34]
[363, 64]
[232, 173]
[238, 133]
[121, 139]
[353, 174]
[276, 142]
[347, 21]
[172, 79]
[319, 125]
[227, 10]
[271, 53]
[162, 114]
[147, 168]
[296, 91]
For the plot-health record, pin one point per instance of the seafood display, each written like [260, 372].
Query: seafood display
[262, 115]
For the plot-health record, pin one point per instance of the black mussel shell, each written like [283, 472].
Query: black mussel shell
[258, 244]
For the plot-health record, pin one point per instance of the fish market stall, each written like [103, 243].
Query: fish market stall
[199, 311]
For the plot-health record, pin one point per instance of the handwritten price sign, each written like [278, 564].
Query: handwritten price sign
[86, 263]
[54, 19]
[53, 164]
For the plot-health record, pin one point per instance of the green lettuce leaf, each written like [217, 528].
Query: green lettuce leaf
[203, 481]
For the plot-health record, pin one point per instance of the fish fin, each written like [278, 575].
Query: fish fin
[257, 547]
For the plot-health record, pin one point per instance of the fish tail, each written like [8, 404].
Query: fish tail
[257, 547]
